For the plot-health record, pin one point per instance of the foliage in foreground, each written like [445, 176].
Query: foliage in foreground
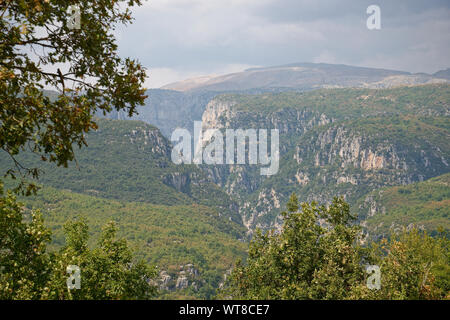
[28, 271]
[166, 236]
[318, 255]
[90, 77]
[413, 266]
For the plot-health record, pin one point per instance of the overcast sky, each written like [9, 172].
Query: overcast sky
[179, 39]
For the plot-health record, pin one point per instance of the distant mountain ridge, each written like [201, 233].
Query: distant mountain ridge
[443, 74]
[305, 76]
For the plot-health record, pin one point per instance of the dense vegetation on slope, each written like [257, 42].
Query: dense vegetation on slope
[166, 236]
[425, 204]
[107, 271]
[130, 161]
[173, 215]
[349, 103]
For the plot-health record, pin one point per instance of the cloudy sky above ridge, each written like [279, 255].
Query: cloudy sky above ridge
[179, 39]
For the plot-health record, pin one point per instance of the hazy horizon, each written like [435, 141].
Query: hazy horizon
[182, 39]
[213, 75]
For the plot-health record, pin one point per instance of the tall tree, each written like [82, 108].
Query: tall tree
[107, 272]
[413, 265]
[28, 271]
[24, 262]
[40, 47]
[314, 256]
[318, 255]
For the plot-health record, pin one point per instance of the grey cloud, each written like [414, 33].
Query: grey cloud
[202, 35]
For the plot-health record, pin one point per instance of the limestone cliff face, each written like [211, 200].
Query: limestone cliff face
[240, 180]
[338, 144]
[218, 114]
[341, 160]
[169, 109]
[180, 181]
[348, 148]
[322, 156]
[344, 142]
[186, 276]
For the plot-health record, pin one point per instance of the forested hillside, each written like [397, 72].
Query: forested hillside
[335, 142]
[130, 161]
[169, 237]
[423, 204]
[172, 215]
